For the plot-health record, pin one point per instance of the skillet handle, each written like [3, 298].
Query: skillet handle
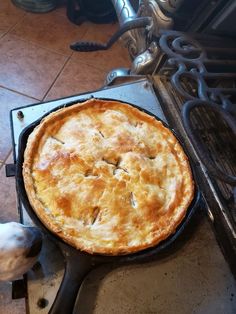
[78, 265]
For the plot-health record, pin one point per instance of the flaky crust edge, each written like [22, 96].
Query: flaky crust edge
[39, 209]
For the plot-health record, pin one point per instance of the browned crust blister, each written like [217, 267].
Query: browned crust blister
[158, 223]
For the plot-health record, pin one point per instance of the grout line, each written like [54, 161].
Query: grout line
[74, 59]
[39, 45]
[18, 22]
[84, 35]
[34, 42]
[13, 26]
[3, 34]
[58, 74]
[19, 93]
[89, 65]
[8, 155]
[95, 66]
[3, 162]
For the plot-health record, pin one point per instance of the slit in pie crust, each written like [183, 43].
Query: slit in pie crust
[106, 177]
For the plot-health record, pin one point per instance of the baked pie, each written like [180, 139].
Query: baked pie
[106, 177]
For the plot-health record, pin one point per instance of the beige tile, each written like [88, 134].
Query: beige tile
[8, 101]
[27, 68]
[100, 32]
[7, 305]
[9, 15]
[76, 78]
[106, 60]
[51, 30]
[8, 205]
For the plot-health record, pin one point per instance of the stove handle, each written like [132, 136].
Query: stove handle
[86, 46]
[212, 168]
[78, 265]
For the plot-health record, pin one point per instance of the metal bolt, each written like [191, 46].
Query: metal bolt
[146, 85]
[42, 303]
[20, 115]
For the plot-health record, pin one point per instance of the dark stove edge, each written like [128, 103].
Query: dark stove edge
[218, 225]
[224, 239]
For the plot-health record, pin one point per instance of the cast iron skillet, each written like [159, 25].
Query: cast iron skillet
[78, 263]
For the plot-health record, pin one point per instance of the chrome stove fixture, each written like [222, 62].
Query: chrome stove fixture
[141, 42]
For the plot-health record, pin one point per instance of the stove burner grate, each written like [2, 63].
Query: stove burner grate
[203, 72]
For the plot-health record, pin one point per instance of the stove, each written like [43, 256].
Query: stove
[197, 85]
[190, 83]
[191, 276]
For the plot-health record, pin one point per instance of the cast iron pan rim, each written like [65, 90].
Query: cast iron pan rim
[138, 256]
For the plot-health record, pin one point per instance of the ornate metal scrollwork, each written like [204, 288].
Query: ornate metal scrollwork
[140, 42]
[188, 57]
[160, 20]
[180, 46]
[169, 5]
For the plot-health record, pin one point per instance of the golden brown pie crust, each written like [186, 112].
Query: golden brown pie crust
[106, 177]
